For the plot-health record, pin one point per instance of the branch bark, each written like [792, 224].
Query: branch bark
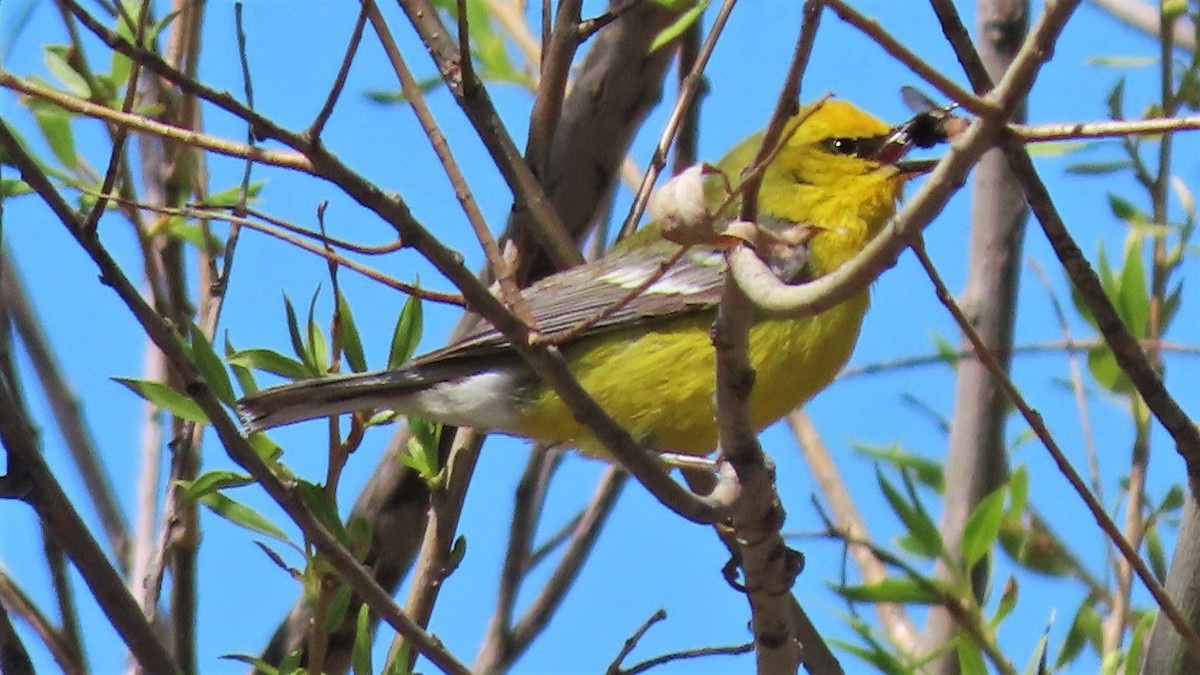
[977, 461]
[617, 84]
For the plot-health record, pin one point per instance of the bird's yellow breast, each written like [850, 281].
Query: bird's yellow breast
[659, 384]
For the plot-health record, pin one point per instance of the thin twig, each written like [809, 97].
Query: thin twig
[632, 641]
[66, 408]
[120, 134]
[13, 655]
[892, 616]
[687, 94]
[194, 139]
[872, 29]
[472, 97]
[1155, 126]
[1069, 345]
[786, 106]
[1034, 420]
[1129, 355]
[1144, 16]
[282, 230]
[461, 450]
[416, 100]
[1077, 386]
[965, 611]
[498, 653]
[31, 480]
[339, 82]
[228, 432]
[528, 504]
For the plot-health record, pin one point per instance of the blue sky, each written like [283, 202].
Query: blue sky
[646, 558]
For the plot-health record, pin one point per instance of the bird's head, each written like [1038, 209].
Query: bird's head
[841, 171]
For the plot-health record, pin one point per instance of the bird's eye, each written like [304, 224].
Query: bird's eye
[844, 146]
[863, 148]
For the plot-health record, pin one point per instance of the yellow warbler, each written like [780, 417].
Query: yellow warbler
[831, 187]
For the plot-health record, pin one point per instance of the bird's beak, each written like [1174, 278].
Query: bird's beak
[893, 150]
[925, 130]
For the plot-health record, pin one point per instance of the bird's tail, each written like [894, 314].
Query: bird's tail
[327, 396]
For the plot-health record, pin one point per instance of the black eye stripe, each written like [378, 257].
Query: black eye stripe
[863, 148]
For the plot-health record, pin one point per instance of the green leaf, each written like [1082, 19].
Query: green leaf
[260, 666]
[897, 590]
[166, 398]
[983, 527]
[1098, 168]
[55, 125]
[679, 26]
[359, 532]
[927, 471]
[120, 68]
[399, 664]
[210, 367]
[1008, 600]
[339, 606]
[1171, 305]
[241, 515]
[426, 85]
[1104, 369]
[159, 27]
[290, 665]
[1173, 9]
[1018, 490]
[1121, 61]
[880, 662]
[1124, 210]
[1172, 501]
[878, 654]
[1115, 100]
[241, 372]
[422, 455]
[269, 451]
[360, 655]
[970, 658]
[271, 362]
[1133, 299]
[348, 336]
[1037, 660]
[407, 332]
[55, 57]
[1133, 658]
[1058, 148]
[455, 558]
[1085, 629]
[14, 187]
[317, 349]
[946, 350]
[294, 331]
[192, 233]
[231, 196]
[1032, 547]
[212, 481]
[489, 47]
[922, 530]
[319, 502]
[1154, 551]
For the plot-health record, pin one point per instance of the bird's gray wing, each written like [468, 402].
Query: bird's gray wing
[603, 288]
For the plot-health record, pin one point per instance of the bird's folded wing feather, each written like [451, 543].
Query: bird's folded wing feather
[565, 300]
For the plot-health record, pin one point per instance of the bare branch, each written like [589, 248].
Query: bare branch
[195, 139]
[893, 617]
[1064, 465]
